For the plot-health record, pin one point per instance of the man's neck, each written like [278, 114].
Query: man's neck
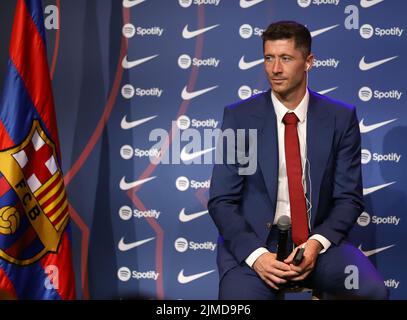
[291, 100]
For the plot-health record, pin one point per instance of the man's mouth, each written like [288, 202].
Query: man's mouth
[277, 79]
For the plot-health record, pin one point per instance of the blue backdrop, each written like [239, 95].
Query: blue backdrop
[121, 69]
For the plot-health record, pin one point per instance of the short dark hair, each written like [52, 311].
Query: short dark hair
[289, 30]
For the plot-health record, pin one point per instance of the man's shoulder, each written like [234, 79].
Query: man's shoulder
[250, 105]
[330, 105]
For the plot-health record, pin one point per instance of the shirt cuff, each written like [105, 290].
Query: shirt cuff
[324, 241]
[250, 260]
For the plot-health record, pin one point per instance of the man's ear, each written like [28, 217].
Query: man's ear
[309, 61]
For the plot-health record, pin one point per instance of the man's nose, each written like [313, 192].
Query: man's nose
[277, 66]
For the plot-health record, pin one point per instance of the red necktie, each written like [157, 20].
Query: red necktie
[298, 205]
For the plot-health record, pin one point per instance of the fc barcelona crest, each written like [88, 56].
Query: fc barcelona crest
[33, 202]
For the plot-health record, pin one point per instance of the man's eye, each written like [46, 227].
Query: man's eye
[285, 59]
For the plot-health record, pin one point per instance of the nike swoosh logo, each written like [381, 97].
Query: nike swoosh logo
[370, 190]
[129, 185]
[126, 64]
[191, 34]
[319, 31]
[369, 3]
[132, 124]
[186, 279]
[185, 156]
[365, 129]
[190, 95]
[327, 90]
[189, 217]
[247, 3]
[364, 66]
[243, 65]
[132, 3]
[127, 246]
[374, 251]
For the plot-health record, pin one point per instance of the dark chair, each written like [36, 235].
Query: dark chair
[315, 294]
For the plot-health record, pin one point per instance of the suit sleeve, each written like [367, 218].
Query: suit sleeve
[226, 194]
[347, 186]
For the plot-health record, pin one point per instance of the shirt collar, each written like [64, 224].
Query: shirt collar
[300, 111]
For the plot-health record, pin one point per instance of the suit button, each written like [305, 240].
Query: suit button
[269, 225]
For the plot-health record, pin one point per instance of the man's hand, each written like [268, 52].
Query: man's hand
[271, 271]
[312, 249]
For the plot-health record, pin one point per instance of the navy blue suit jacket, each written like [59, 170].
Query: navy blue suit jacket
[242, 205]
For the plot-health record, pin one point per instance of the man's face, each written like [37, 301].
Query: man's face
[285, 66]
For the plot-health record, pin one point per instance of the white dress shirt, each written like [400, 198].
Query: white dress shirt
[283, 200]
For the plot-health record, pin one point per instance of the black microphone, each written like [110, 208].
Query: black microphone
[283, 225]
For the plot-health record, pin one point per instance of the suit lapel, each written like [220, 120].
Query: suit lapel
[320, 128]
[268, 148]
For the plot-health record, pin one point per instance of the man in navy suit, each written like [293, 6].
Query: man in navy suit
[308, 168]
